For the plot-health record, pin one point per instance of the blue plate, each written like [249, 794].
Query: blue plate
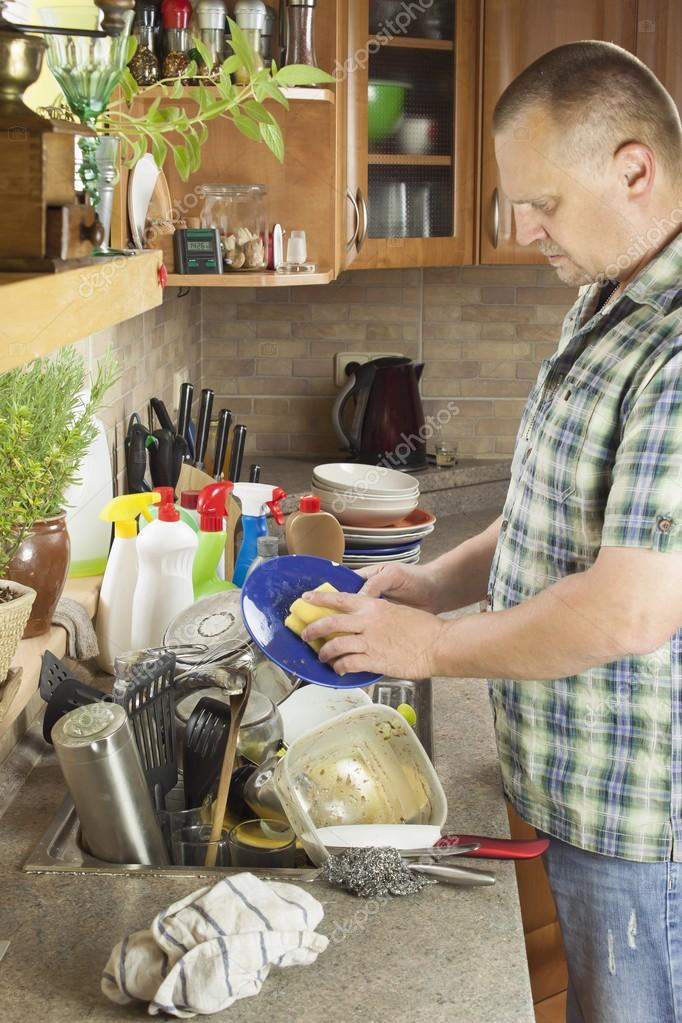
[267, 595]
[382, 550]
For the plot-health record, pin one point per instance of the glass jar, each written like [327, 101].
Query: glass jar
[301, 32]
[145, 65]
[240, 214]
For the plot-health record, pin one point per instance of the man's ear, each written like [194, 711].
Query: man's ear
[635, 166]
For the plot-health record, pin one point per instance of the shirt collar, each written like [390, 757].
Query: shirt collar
[661, 279]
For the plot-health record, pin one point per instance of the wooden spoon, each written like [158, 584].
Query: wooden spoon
[237, 708]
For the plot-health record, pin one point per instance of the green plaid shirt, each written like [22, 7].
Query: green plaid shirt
[596, 759]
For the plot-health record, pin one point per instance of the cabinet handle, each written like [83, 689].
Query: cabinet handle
[365, 218]
[351, 243]
[496, 218]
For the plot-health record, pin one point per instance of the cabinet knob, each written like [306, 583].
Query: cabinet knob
[495, 227]
[362, 202]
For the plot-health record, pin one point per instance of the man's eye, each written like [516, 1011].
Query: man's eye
[545, 207]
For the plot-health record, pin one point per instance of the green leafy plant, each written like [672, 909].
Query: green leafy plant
[45, 430]
[165, 128]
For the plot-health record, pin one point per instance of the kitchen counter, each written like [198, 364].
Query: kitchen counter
[446, 954]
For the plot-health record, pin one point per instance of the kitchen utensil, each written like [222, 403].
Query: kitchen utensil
[389, 209]
[266, 597]
[203, 426]
[385, 104]
[311, 706]
[184, 415]
[261, 732]
[161, 413]
[262, 843]
[204, 748]
[497, 848]
[141, 184]
[136, 455]
[258, 791]
[191, 846]
[222, 432]
[463, 876]
[144, 688]
[388, 409]
[365, 767]
[101, 764]
[254, 473]
[52, 673]
[237, 453]
[162, 459]
[237, 708]
[67, 696]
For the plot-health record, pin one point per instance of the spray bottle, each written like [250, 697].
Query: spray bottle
[114, 613]
[212, 537]
[165, 553]
[256, 499]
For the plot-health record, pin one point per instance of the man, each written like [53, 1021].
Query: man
[583, 570]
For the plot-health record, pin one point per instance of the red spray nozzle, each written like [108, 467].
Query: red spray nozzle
[211, 506]
[277, 495]
[167, 512]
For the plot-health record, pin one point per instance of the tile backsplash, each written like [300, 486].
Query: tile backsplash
[481, 332]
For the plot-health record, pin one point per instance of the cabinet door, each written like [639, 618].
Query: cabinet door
[517, 32]
[659, 42]
[412, 138]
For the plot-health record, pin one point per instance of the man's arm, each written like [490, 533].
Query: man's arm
[461, 575]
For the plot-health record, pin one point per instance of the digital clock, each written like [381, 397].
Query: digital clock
[197, 250]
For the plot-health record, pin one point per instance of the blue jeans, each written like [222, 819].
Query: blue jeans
[621, 923]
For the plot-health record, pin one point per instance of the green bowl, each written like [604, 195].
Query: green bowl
[385, 103]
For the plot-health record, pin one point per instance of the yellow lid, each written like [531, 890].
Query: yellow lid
[123, 511]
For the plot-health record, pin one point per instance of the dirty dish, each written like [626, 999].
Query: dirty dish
[364, 836]
[311, 706]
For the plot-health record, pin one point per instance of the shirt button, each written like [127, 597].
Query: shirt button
[665, 525]
[489, 598]
[504, 524]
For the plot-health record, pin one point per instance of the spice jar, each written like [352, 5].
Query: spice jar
[268, 35]
[145, 66]
[211, 15]
[239, 212]
[250, 16]
[301, 32]
[176, 16]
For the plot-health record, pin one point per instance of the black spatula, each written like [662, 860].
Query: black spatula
[204, 748]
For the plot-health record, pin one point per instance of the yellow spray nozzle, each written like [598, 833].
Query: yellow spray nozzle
[124, 510]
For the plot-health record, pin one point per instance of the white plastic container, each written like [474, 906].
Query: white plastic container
[90, 537]
[165, 554]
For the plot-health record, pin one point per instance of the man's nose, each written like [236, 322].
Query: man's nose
[529, 228]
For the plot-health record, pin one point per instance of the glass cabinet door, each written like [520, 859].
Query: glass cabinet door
[420, 141]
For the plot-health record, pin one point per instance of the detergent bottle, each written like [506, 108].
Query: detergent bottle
[212, 537]
[256, 499]
[165, 554]
[113, 623]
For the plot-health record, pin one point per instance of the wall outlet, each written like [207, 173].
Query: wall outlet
[181, 377]
[342, 360]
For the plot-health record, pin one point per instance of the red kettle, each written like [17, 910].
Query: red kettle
[387, 425]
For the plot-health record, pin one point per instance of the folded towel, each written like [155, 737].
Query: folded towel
[81, 641]
[215, 946]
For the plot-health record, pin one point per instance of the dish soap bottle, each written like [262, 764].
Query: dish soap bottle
[165, 554]
[315, 532]
[255, 499]
[267, 548]
[113, 623]
[212, 537]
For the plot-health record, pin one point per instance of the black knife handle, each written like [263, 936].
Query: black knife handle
[222, 431]
[161, 412]
[180, 455]
[185, 410]
[161, 459]
[238, 442]
[203, 426]
[136, 455]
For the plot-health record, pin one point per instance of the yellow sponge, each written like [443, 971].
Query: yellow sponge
[297, 626]
[303, 614]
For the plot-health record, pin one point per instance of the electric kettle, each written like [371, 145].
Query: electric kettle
[387, 425]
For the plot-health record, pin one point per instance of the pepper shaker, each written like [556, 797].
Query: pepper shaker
[301, 32]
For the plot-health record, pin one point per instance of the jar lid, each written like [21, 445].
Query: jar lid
[232, 190]
[267, 546]
[94, 721]
[250, 13]
[301, 3]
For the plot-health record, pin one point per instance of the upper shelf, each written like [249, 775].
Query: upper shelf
[407, 43]
[267, 279]
[299, 94]
[43, 312]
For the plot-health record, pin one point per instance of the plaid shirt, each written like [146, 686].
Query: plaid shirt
[595, 759]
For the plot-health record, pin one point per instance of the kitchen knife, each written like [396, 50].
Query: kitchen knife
[161, 459]
[203, 426]
[496, 848]
[254, 473]
[184, 415]
[237, 455]
[222, 431]
[161, 412]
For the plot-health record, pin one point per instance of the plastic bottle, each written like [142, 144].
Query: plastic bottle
[267, 548]
[90, 537]
[311, 531]
[212, 537]
[187, 506]
[113, 623]
[165, 553]
[255, 499]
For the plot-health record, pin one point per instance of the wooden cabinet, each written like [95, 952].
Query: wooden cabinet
[515, 33]
[412, 144]
[659, 42]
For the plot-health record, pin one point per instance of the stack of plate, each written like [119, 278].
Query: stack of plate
[399, 542]
[365, 495]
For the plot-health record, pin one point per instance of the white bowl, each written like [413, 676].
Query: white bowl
[351, 498]
[366, 479]
[356, 515]
[313, 705]
[360, 495]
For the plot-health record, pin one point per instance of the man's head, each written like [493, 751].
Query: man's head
[589, 148]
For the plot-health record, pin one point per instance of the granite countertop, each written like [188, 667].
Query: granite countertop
[447, 954]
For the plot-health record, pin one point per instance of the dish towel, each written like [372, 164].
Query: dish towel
[215, 946]
[81, 640]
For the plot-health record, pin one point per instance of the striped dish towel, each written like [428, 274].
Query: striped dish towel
[215, 946]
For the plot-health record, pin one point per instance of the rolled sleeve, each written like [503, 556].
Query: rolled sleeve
[644, 507]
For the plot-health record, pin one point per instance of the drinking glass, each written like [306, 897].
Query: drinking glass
[190, 846]
[262, 843]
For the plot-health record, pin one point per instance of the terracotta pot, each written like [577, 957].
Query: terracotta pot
[42, 562]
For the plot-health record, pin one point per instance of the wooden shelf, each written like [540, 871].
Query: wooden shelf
[43, 312]
[407, 160]
[268, 279]
[298, 94]
[405, 43]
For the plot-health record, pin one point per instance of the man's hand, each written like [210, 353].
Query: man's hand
[403, 584]
[377, 636]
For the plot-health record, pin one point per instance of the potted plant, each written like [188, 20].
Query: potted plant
[46, 426]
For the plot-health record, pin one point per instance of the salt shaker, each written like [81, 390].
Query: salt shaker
[301, 32]
[250, 16]
[211, 16]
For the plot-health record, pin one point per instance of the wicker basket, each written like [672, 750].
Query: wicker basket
[13, 618]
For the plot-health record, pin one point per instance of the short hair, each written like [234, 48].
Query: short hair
[600, 95]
